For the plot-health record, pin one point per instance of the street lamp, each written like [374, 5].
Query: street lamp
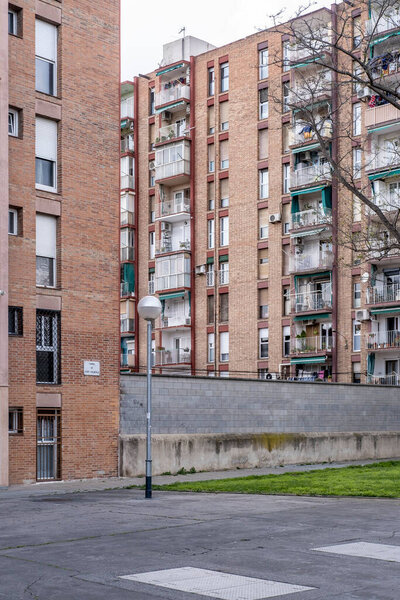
[149, 308]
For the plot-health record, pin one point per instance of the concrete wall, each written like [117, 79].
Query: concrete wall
[226, 423]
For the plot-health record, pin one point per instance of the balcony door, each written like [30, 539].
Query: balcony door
[326, 336]
[392, 371]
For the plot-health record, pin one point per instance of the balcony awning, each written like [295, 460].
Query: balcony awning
[309, 232]
[320, 274]
[384, 37]
[314, 316]
[305, 148]
[224, 258]
[308, 360]
[308, 190]
[169, 106]
[152, 270]
[308, 62]
[178, 66]
[173, 295]
[384, 174]
[385, 311]
[210, 260]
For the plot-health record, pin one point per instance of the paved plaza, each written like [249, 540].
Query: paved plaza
[70, 545]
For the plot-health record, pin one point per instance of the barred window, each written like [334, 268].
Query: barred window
[47, 347]
[15, 320]
[15, 421]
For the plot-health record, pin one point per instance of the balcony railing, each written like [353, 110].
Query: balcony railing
[172, 357]
[127, 144]
[210, 278]
[127, 181]
[306, 134]
[171, 282]
[381, 114]
[127, 253]
[314, 300]
[172, 207]
[178, 321]
[127, 325]
[310, 175]
[314, 216]
[178, 167]
[173, 94]
[386, 293]
[127, 108]
[125, 289]
[127, 360]
[308, 92]
[170, 132]
[383, 339]
[386, 380]
[151, 287]
[167, 245]
[311, 261]
[377, 25]
[127, 217]
[309, 345]
[319, 42]
[223, 277]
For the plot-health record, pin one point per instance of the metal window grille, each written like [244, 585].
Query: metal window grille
[48, 339]
[15, 421]
[48, 445]
[15, 326]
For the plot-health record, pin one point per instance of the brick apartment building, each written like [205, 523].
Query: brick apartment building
[229, 214]
[59, 215]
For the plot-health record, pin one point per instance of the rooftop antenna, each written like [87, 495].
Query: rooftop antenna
[183, 31]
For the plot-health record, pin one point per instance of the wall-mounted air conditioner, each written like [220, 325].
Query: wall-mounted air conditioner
[166, 115]
[363, 315]
[298, 241]
[165, 226]
[275, 218]
[200, 270]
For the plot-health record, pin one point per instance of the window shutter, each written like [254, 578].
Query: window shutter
[211, 152]
[46, 232]
[224, 342]
[211, 118]
[223, 112]
[224, 150]
[263, 217]
[45, 40]
[263, 296]
[46, 139]
[263, 143]
[224, 188]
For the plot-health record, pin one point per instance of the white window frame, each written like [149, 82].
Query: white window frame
[14, 15]
[263, 104]
[224, 79]
[263, 340]
[210, 233]
[52, 62]
[357, 118]
[40, 186]
[15, 122]
[223, 356]
[224, 231]
[286, 56]
[263, 183]
[152, 244]
[285, 96]
[357, 294]
[211, 347]
[263, 63]
[356, 336]
[50, 255]
[357, 160]
[286, 178]
[211, 81]
[286, 340]
[14, 212]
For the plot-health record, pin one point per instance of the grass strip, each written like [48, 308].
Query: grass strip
[374, 480]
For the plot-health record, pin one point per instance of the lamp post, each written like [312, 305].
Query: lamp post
[149, 308]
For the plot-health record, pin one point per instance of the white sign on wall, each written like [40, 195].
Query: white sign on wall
[91, 367]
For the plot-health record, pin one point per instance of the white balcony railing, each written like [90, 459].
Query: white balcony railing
[380, 24]
[175, 321]
[310, 175]
[393, 379]
[178, 167]
[127, 108]
[223, 277]
[313, 45]
[308, 91]
[317, 343]
[306, 218]
[381, 114]
[127, 217]
[127, 253]
[171, 282]
[170, 132]
[210, 278]
[309, 261]
[127, 325]
[173, 94]
[383, 339]
[169, 245]
[127, 181]
[172, 207]
[304, 134]
[172, 357]
[313, 300]
[385, 293]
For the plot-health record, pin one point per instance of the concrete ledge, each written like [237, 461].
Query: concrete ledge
[213, 452]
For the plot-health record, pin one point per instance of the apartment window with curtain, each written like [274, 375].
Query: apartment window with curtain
[224, 116]
[46, 57]
[263, 103]
[211, 195]
[210, 347]
[224, 154]
[357, 118]
[286, 340]
[224, 192]
[211, 119]
[263, 225]
[152, 245]
[356, 294]
[357, 157]
[263, 263]
[210, 233]
[46, 250]
[263, 307]
[224, 346]
[223, 308]
[286, 178]
[48, 347]
[262, 144]
[263, 183]
[263, 63]
[224, 231]
[285, 96]
[46, 154]
[286, 301]
[224, 73]
[211, 81]
[286, 56]
[356, 336]
[263, 342]
[211, 158]
[210, 309]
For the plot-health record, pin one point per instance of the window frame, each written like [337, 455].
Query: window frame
[224, 231]
[14, 14]
[224, 77]
[263, 190]
[41, 186]
[18, 321]
[211, 81]
[286, 178]
[263, 343]
[210, 234]
[15, 113]
[53, 348]
[356, 327]
[17, 413]
[54, 63]
[210, 347]
[263, 105]
[152, 245]
[356, 119]
[14, 212]
[262, 65]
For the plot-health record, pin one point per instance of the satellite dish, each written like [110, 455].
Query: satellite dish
[365, 277]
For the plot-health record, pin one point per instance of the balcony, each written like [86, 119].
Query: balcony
[172, 94]
[166, 245]
[127, 253]
[173, 206]
[173, 169]
[173, 160]
[316, 45]
[383, 340]
[126, 289]
[172, 357]
[311, 345]
[311, 217]
[311, 175]
[175, 321]
[381, 114]
[127, 181]
[305, 134]
[127, 107]
[127, 217]
[127, 144]
[171, 282]
[377, 25]
[171, 132]
[127, 359]
[313, 300]
[386, 380]
[310, 91]
[383, 294]
[311, 261]
[127, 325]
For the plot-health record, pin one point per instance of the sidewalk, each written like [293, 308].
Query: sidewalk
[93, 485]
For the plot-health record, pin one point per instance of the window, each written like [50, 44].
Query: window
[12, 22]
[224, 272]
[13, 122]
[263, 223]
[263, 183]
[286, 178]
[127, 171]
[357, 74]
[46, 57]
[210, 348]
[286, 340]
[285, 138]
[47, 347]
[46, 247]
[286, 301]
[357, 118]
[224, 116]
[263, 103]
[15, 421]
[224, 308]
[356, 295]
[12, 221]
[224, 346]
[224, 231]
[357, 156]
[356, 336]
[356, 209]
[211, 81]
[263, 309]
[152, 178]
[15, 320]
[286, 56]
[211, 119]
[285, 219]
[152, 97]
[151, 282]
[210, 309]
[224, 73]
[285, 96]
[152, 245]
[211, 195]
[262, 144]
[224, 154]
[263, 63]
[263, 263]
[152, 210]
[263, 342]
[46, 154]
[211, 158]
[357, 35]
[210, 233]
[210, 274]
[356, 368]
[224, 192]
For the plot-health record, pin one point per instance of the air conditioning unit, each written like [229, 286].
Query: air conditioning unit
[363, 92]
[165, 226]
[152, 165]
[362, 315]
[298, 241]
[166, 115]
[200, 270]
[187, 321]
[275, 218]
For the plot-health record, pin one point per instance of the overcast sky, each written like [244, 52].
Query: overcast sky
[146, 26]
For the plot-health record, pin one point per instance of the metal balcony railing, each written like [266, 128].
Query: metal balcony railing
[127, 325]
[127, 253]
[386, 380]
[172, 357]
[304, 134]
[383, 339]
[385, 293]
[307, 93]
[173, 94]
[223, 277]
[210, 278]
[172, 207]
[309, 345]
[379, 24]
[169, 245]
[127, 181]
[313, 216]
[310, 175]
[171, 282]
[171, 132]
[314, 300]
[310, 261]
[127, 217]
